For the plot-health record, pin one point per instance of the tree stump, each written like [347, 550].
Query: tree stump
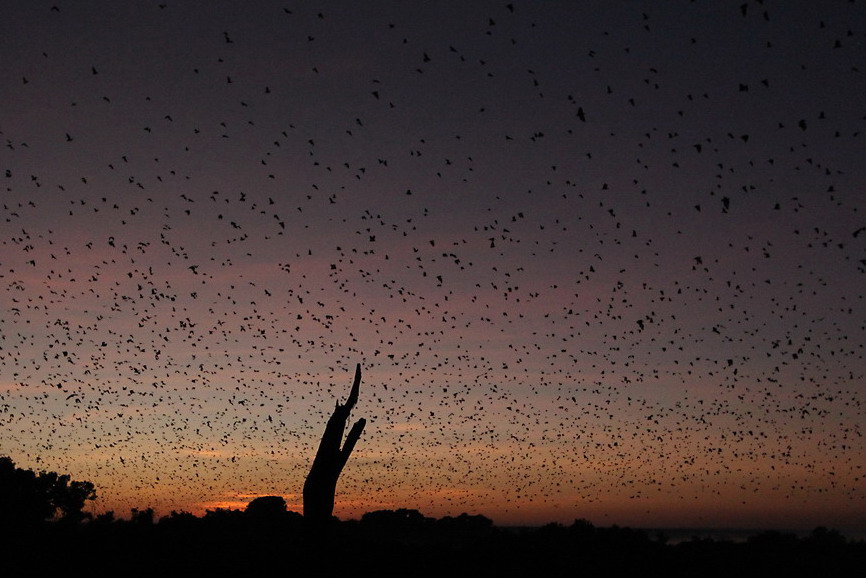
[321, 483]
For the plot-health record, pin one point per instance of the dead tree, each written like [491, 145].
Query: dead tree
[321, 483]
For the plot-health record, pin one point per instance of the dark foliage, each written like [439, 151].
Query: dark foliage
[28, 498]
[267, 508]
[266, 539]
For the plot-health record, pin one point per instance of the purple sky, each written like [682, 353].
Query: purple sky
[597, 260]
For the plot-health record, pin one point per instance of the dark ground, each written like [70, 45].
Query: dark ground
[403, 542]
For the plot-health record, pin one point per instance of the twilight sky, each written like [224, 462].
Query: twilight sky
[598, 260]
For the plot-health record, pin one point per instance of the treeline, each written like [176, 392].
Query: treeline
[266, 538]
[392, 543]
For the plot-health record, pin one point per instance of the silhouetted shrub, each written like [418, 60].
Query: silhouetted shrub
[266, 508]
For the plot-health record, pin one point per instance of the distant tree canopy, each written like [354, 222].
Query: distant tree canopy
[267, 508]
[27, 497]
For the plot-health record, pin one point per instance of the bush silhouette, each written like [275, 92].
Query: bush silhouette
[266, 508]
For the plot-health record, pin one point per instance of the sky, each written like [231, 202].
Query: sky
[598, 260]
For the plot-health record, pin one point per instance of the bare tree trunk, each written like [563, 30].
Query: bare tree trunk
[321, 483]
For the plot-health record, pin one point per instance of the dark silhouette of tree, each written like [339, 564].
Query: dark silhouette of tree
[141, 517]
[321, 483]
[105, 518]
[401, 519]
[266, 508]
[27, 497]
